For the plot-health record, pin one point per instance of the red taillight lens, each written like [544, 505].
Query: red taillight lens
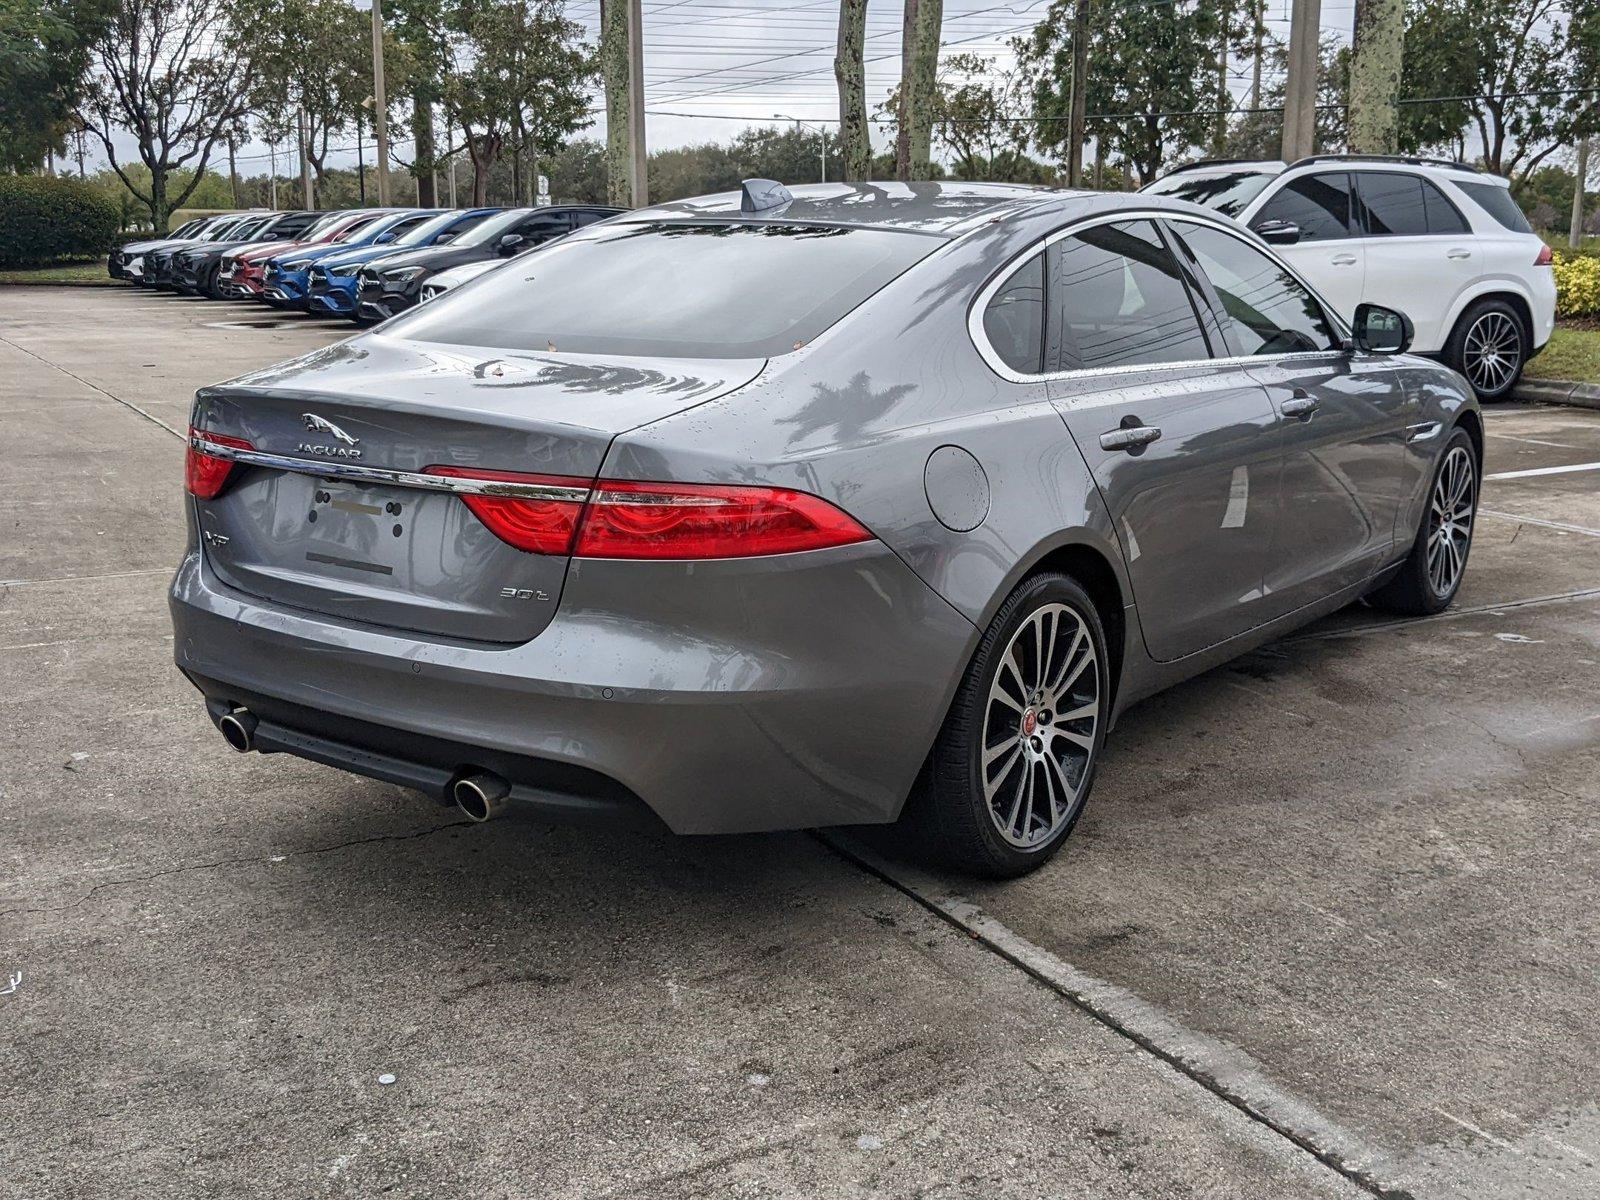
[537, 513]
[1547, 257]
[554, 514]
[205, 475]
[678, 521]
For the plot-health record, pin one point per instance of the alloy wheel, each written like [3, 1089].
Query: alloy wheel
[1492, 354]
[1450, 521]
[1039, 727]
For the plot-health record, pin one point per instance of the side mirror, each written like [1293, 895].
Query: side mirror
[383, 239]
[448, 236]
[509, 243]
[1380, 330]
[1278, 233]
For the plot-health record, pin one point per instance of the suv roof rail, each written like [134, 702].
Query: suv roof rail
[1202, 163]
[1408, 160]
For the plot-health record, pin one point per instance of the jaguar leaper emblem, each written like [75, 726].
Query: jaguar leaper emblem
[322, 425]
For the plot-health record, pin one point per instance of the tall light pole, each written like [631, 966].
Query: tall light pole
[380, 106]
[820, 131]
[1300, 91]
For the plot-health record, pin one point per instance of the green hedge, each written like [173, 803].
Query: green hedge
[43, 218]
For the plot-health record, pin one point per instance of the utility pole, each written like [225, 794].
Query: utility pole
[361, 160]
[1377, 44]
[1575, 237]
[1300, 92]
[615, 71]
[380, 105]
[641, 162]
[272, 169]
[305, 159]
[1078, 110]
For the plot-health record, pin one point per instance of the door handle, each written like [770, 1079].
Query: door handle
[1459, 253]
[1132, 438]
[1299, 405]
[1344, 260]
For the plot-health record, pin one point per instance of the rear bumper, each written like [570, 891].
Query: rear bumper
[728, 696]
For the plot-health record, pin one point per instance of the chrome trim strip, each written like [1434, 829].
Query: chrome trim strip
[998, 366]
[335, 469]
[1424, 431]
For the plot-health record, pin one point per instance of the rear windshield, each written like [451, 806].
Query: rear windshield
[1227, 194]
[1497, 202]
[673, 290]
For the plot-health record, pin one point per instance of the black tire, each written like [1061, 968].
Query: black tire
[949, 816]
[1481, 347]
[1416, 590]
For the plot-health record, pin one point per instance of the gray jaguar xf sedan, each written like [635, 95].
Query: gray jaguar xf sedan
[848, 504]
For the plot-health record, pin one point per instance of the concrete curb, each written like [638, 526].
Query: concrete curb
[1557, 391]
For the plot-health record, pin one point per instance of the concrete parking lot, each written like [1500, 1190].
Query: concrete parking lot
[1328, 927]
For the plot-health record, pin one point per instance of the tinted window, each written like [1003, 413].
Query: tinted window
[1497, 202]
[493, 227]
[1228, 194]
[1394, 205]
[590, 216]
[1443, 217]
[1014, 320]
[543, 227]
[690, 291]
[1267, 311]
[1117, 299]
[1318, 204]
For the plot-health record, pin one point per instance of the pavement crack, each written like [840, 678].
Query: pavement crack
[94, 387]
[242, 860]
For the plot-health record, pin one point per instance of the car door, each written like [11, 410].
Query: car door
[1181, 446]
[1330, 252]
[1421, 253]
[1340, 419]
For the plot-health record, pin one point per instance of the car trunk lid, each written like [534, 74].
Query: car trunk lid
[324, 511]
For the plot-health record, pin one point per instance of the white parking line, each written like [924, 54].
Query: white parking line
[1519, 518]
[1532, 471]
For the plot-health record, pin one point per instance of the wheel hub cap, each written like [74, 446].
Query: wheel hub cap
[1450, 516]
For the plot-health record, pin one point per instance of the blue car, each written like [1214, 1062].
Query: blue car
[332, 280]
[286, 277]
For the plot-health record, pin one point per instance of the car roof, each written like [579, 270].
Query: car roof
[940, 207]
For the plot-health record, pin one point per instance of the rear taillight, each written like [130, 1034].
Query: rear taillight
[205, 475]
[537, 513]
[1547, 257]
[547, 514]
[678, 521]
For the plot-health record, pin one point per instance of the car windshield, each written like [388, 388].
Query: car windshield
[321, 227]
[428, 230]
[676, 290]
[1227, 194]
[493, 227]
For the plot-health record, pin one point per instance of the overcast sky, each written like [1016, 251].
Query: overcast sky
[715, 67]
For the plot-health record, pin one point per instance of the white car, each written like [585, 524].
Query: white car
[438, 284]
[1442, 242]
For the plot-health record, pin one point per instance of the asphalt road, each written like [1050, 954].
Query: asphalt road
[1328, 927]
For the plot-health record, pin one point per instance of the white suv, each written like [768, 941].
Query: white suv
[1440, 241]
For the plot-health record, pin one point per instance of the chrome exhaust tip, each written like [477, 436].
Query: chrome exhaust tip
[481, 797]
[239, 728]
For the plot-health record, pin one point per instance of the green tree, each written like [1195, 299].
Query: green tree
[176, 75]
[313, 57]
[519, 74]
[980, 120]
[45, 51]
[1517, 61]
[1149, 78]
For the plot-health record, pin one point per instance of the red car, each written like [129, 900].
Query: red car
[241, 275]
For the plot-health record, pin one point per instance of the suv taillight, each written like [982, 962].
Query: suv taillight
[1547, 257]
[547, 514]
[205, 475]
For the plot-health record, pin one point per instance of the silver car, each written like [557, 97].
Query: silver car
[846, 505]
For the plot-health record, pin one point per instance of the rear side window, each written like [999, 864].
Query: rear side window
[1266, 309]
[1117, 299]
[673, 289]
[1318, 204]
[1395, 205]
[1014, 320]
[1497, 202]
[1443, 217]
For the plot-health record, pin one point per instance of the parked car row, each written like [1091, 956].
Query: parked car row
[365, 264]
